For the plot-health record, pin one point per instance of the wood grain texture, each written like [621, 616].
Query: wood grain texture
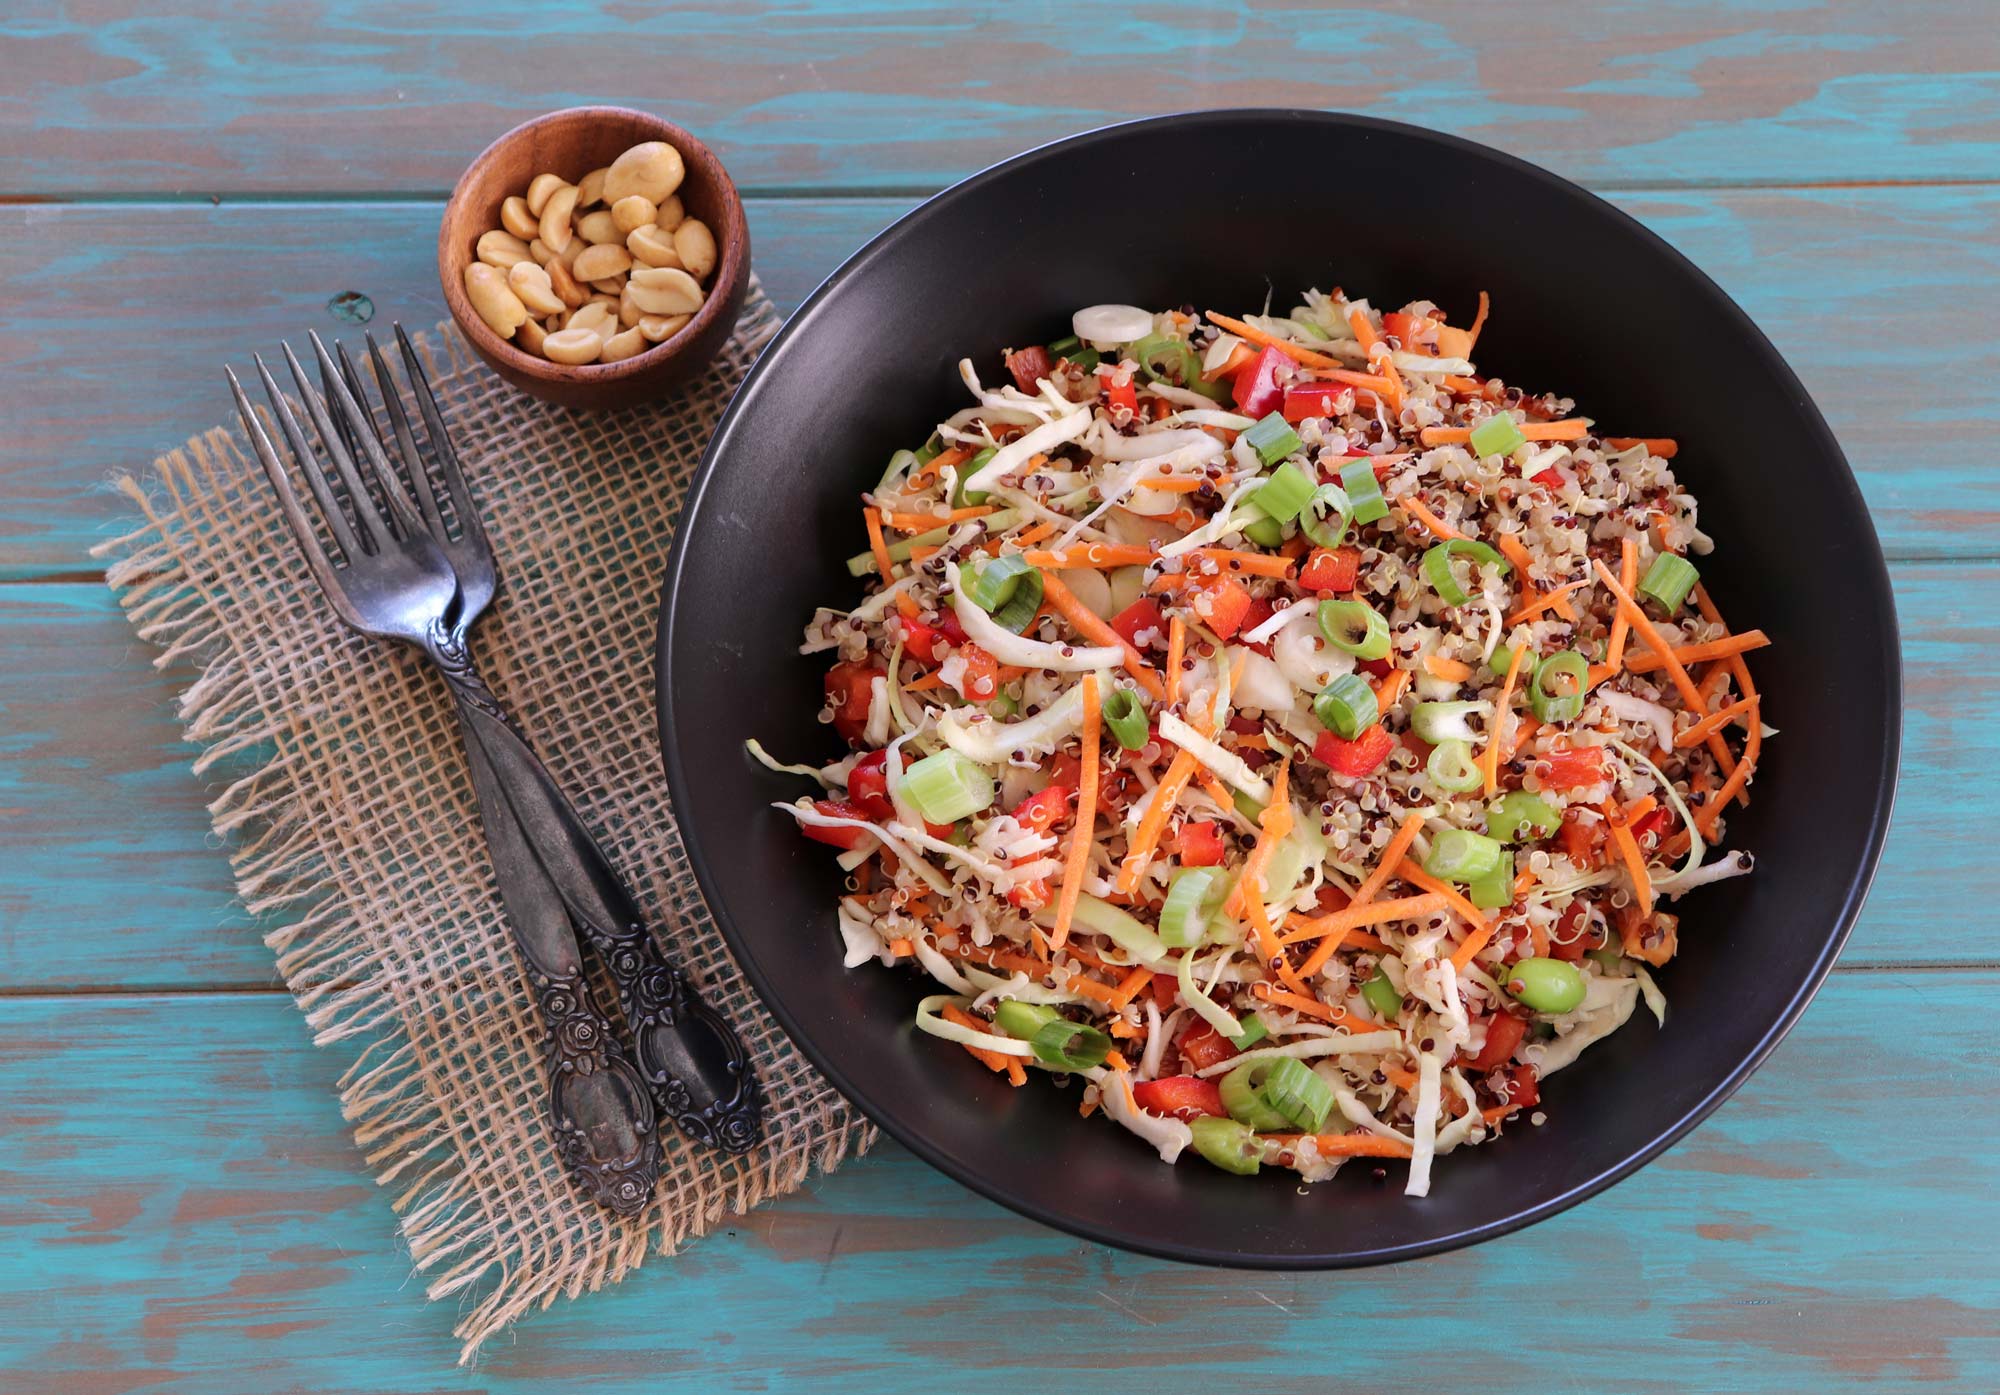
[103, 824]
[212, 97]
[1800, 1240]
[1882, 299]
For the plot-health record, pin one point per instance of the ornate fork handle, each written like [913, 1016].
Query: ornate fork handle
[687, 1052]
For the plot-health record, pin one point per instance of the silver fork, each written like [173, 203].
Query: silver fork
[691, 1057]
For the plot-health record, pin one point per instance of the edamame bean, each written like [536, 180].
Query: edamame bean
[1546, 985]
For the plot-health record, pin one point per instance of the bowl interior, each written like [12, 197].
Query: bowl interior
[1585, 302]
[572, 143]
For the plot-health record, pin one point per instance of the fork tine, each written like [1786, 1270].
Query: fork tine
[368, 518]
[308, 460]
[340, 422]
[288, 500]
[350, 394]
[406, 441]
[466, 507]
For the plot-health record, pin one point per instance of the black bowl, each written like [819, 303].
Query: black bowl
[1213, 210]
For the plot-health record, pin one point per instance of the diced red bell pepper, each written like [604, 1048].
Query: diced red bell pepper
[1375, 668]
[845, 838]
[1550, 478]
[1043, 809]
[1201, 1046]
[1415, 333]
[1116, 789]
[1029, 366]
[1117, 394]
[848, 686]
[1330, 899]
[1503, 1033]
[1256, 387]
[1569, 942]
[1526, 1087]
[1582, 843]
[1305, 400]
[1357, 757]
[925, 645]
[1199, 845]
[1260, 611]
[1030, 895]
[1652, 827]
[1226, 607]
[868, 786]
[1166, 992]
[1573, 768]
[982, 674]
[1182, 1096]
[954, 633]
[1142, 614]
[1332, 570]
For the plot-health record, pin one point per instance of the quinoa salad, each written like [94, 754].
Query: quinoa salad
[1278, 731]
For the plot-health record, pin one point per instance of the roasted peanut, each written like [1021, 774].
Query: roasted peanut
[539, 190]
[665, 290]
[624, 344]
[628, 313]
[530, 336]
[590, 189]
[500, 249]
[671, 214]
[696, 245]
[533, 287]
[516, 219]
[556, 213]
[652, 246]
[658, 327]
[633, 211]
[572, 346]
[652, 168]
[564, 284]
[599, 227]
[499, 307]
[604, 259]
[600, 318]
[539, 250]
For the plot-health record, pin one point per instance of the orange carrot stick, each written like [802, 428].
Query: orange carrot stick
[1092, 628]
[1568, 429]
[1478, 320]
[1085, 831]
[1435, 525]
[1489, 758]
[1699, 653]
[1176, 653]
[1297, 353]
[1663, 446]
[876, 544]
[1092, 556]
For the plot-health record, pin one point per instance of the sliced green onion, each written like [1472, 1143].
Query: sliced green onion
[994, 582]
[1273, 439]
[1495, 890]
[1246, 806]
[1437, 566]
[1503, 655]
[1068, 1045]
[1520, 817]
[1497, 435]
[1452, 768]
[1443, 721]
[1669, 580]
[1324, 518]
[863, 563]
[1556, 690]
[1063, 347]
[906, 460]
[930, 450]
[1382, 997]
[1295, 1091]
[1253, 1032]
[1285, 493]
[960, 495]
[1167, 360]
[1354, 627]
[1243, 1096]
[1022, 1020]
[1193, 898]
[947, 787]
[1364, 491]
[1347, 706]
[1123, 717]
[1086, 359]
[1458, 855]
[1122, 928]
[1265, 531]
[961, 834]
[1227, 1144]
[1023, 606]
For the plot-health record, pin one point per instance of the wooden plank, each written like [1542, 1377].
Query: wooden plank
[143, 305]
[376, 97]
[98, 806]
[182, 1203]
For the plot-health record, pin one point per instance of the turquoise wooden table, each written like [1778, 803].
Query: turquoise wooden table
[184, 180]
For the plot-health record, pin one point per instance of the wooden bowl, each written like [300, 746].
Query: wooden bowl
[571, 143]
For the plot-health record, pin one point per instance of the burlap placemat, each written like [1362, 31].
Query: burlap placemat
[349, 815]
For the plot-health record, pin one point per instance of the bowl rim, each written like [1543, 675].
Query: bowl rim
[730, 251]
[1888, 663]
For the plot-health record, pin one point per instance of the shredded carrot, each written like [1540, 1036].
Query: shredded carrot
[1435, 525]
[1085, 831]
[1146, 836]
[1090, 987]
[1378, 357]
[1247, 563]
[1389, 690]
[1392, 855]
[1489, 757]
[1247, 899]
[1532, 601]
[1524, 729]
[1173, 484]
[1373, 382]
[1538, 940]
[1092, 556]
[1116, 1061]
[1124, 1030]
[1129, 986]
[1450, 670]
[1568, 429]
[1217, 791]
[1097, 632]
[1621, 625]
[1714, 722]
[1313, 1007]
[943, 460]
[1548, 599]
[1737, 668]
[992, 546]
[1349, 939]
[1086, 1107]
[1464, 909]
[1651, 635]
[1753, 746]
[924, 522]
[1700, 653]
[1352, 917]
[1399, 1077]
[1478, 321]
[1663, 446]
[1297, 353]
[876, 545]
[1017, 1074]
[992, 1060]
[1629, 854]
[1348, 1145]
[901, 948]
[1176, 653]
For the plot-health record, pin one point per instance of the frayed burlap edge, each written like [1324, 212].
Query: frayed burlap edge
[409, 1117]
